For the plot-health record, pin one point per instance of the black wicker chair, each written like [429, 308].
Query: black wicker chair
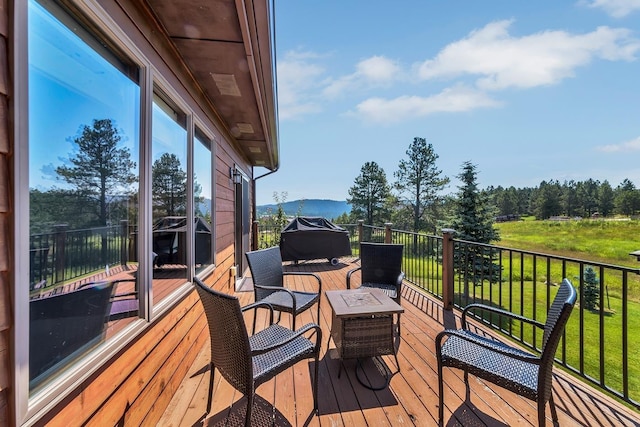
[381, 267]
[268, 284]
[64, 325]
[516, 370]
[248, 361]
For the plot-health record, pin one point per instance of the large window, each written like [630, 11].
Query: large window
[83, 189]
[105, 242]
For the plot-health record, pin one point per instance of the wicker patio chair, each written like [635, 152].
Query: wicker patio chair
[248, 361]
[381, 267]
[268, 284]
[521, 372]
[63, 326]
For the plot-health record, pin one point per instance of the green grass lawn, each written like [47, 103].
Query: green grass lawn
[608, 242]
[594, 240]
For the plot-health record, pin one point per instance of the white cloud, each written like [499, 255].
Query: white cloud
[543, 58]
[298, 78]
[615, 8]
[375, 71]
[623, 147]
[455, 99]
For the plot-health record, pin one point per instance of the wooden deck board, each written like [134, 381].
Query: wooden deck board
[412, 395]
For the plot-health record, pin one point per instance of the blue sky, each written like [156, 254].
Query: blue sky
[526, 90]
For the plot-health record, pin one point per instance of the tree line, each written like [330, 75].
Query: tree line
[416, 198]
[99, 183]
[569, 198]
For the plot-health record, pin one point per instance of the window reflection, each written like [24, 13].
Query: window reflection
[202, 183]
[169, 198]
[83, 191]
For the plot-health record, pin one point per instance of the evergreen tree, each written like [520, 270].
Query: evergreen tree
[473, 221]
[588, 195]
[100, 170]
[627, 198]
[547, 200]
[370, 195]
[591, 292]
[57, 206]
[570, 199]
[169, 186]
[419, 183]
[606, 199]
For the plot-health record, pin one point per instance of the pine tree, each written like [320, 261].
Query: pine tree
[473, 221]
[591, 292]
[370, 195]
[100, 170]
[419, 183]
[169, 186]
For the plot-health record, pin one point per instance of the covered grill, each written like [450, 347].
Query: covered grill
[307, 238]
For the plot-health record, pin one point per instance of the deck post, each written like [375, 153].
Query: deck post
[360, 231]
[60, 236]
[124, 242]
[254, 236]
[387, 232]
[447, 268]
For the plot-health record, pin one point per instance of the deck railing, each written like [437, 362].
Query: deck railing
[65, 254]
[598, 344]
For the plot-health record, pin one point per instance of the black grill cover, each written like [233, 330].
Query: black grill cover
[307, 238]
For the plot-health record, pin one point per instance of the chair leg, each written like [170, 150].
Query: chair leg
[466, 384]
[440, 394]
[315, 386]
[554, 413]
[542, 419]
[247, 419]
[397, 363]
[210, 398]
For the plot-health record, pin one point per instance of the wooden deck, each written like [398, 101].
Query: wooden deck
[410, 399]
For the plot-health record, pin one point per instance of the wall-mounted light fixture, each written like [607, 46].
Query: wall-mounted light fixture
[235, 175]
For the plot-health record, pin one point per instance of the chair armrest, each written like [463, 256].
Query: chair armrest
[305, 273]
[491, 345]
[299, 332]
[498, 311]
[257, 305]
[400, 278]
[349, 273]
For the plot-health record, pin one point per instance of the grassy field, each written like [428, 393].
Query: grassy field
[593, 240]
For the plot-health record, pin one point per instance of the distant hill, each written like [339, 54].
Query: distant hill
[329, 209]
